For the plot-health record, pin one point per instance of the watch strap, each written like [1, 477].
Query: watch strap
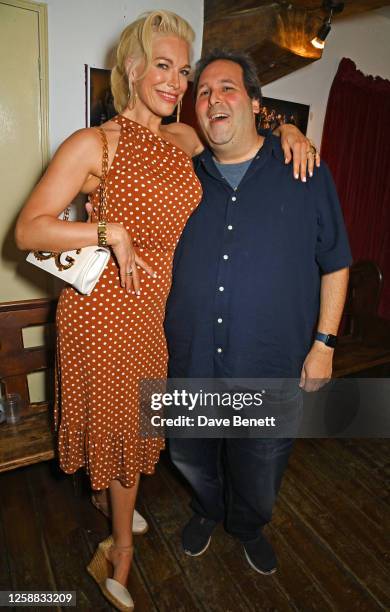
[328, 339]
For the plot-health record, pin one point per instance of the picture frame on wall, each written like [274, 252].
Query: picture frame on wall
[276, 112]
[99, 100]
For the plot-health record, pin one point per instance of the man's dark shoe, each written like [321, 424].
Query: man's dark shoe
[260, 555]
[196, 535]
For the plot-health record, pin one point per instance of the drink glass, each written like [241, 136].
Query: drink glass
[13, 408]
[2, 410]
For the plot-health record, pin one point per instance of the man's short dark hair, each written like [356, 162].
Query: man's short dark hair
[251, 80]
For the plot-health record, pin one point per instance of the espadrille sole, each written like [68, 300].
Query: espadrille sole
[100, 568]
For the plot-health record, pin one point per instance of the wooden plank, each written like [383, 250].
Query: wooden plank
[217, 8]
[28, 564]
[30, 441]
[353, 357]
[371, 535]
[5, 574]
[378, 451]
[319, 508]
[349, 476]
[304, 592]
[372, 477]
[45, 304]
[28, 360]
[173, 595]
[326, 569]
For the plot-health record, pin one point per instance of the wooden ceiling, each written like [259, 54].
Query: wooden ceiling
[277, 34]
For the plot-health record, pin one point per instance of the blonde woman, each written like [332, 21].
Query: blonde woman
[109, 341]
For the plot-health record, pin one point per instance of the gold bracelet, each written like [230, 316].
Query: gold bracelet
[102, 233]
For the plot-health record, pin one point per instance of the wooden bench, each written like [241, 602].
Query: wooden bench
[364, 345]
[32, 439]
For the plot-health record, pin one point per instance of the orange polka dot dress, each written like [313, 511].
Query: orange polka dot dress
[111, 340]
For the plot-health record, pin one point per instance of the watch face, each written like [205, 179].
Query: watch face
[331, 341]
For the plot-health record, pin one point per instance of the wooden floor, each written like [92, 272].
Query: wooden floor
[329, 530]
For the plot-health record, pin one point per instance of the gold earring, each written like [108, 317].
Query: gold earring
[132, 99]
[178, 110]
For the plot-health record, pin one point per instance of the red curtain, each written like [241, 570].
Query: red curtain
[356, 145]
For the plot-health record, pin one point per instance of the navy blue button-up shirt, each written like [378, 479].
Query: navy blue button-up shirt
[247, 270]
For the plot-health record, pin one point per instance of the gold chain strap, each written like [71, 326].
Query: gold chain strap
[102, 187]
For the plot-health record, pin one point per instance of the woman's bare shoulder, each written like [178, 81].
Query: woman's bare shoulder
[86, 143]
[90, 135]
[83, 140]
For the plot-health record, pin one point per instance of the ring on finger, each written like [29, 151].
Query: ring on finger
[312, 147]
[129, 273]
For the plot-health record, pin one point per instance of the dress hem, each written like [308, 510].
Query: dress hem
[125, 483]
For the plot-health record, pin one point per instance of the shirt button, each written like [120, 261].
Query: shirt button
[230, 227]
[219, 350]
[221, 288]
[226, 256]
[219, 320]
[234, 198]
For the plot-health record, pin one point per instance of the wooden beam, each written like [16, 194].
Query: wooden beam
[276, 34]
[277, 39]
[214, 9]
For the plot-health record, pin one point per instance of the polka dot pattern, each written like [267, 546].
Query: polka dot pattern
[111, 340]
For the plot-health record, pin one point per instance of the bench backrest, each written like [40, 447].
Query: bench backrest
[16, 361]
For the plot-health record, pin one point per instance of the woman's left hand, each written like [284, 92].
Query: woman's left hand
[298, 148]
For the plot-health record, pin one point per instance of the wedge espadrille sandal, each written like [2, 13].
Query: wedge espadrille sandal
[101, 569]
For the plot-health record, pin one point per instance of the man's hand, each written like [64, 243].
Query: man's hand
[299, 148]
[317, 368]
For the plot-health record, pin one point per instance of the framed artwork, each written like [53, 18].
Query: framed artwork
[99, 101]
[276, 112]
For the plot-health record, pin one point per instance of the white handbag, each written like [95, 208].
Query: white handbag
[83, 267]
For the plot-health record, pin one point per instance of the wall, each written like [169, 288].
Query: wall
[85, 32]
[365, 39]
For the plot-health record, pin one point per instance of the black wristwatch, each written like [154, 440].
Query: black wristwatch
[327, 339]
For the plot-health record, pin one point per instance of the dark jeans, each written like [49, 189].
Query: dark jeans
[234, 480]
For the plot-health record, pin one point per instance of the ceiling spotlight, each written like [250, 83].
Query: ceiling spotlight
[319, 40]
[333, 7]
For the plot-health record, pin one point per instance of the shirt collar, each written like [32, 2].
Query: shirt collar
[271, 147]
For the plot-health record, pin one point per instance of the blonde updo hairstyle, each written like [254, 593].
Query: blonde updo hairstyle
[136, 42]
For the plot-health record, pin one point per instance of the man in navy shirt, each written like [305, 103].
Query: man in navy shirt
[259, 282]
